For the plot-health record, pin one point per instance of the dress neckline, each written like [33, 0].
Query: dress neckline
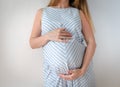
[59, 8]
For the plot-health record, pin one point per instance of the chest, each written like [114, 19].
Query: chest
[61, 17]
[52, 19]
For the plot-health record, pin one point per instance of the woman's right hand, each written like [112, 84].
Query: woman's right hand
[59, 35]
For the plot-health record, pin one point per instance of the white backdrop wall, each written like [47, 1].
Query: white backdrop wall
[21, 66]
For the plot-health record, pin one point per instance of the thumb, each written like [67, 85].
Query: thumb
[70, 71]
[62, 29]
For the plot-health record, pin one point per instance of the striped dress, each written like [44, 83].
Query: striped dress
[60, 57]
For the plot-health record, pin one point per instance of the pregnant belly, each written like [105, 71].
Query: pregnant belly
[63, 56]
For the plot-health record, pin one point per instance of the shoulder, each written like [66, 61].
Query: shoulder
[39, 13]
[41, 10]
[81, 13]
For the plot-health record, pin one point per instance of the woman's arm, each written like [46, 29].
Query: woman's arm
[91, 44]
[90, 49]
[36, 40]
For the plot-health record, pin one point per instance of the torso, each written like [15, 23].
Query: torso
[58, 54]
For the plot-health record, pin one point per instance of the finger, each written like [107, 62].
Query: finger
[62, 29]
[59, 30]
[60, 40]
[70, 71]
[65, 34]
[64, 37]
[66, 77]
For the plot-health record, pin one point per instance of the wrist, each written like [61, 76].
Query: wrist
[84, 68]
[46, 37]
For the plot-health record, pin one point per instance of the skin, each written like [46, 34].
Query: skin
[37, 40]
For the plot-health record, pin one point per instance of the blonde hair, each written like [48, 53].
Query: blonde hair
[81, 5]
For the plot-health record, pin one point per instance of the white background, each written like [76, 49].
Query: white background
[21, 66]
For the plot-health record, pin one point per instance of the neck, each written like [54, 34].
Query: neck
[63, 4]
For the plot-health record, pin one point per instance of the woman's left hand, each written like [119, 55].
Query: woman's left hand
[73, 74]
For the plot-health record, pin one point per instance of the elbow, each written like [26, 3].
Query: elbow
[31, 44]
[92, 43]
[95, 45]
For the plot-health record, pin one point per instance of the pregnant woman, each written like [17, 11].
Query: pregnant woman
[64, 31]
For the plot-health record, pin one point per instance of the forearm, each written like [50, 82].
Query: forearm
[37, 42]
[90, 50]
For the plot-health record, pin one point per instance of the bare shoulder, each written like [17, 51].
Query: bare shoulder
[81, 13]
[40, 10]
[39, 13]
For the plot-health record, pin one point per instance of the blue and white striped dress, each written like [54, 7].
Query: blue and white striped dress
[60, 57]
